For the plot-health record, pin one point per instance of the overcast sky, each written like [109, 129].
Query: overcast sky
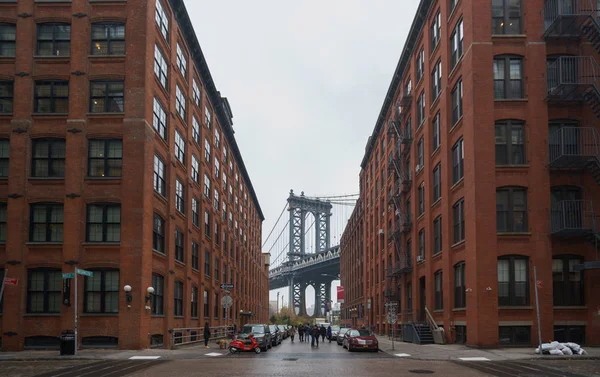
[306, 81]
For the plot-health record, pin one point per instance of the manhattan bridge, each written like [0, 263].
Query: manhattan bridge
[304, 248]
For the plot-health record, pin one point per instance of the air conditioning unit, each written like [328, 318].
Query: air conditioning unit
[420, 258]
[418, 168]
[380, 232]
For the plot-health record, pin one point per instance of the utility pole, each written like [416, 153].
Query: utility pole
[277, 303]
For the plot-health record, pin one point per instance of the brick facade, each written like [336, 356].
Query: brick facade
[235, 223]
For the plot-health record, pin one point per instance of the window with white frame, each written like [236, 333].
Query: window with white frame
[224, 153]
[179, 196]
[195, 130]
[420, 64]
[207, 186]
[196, 91]
[217, 138]
[457, 107]
[436, 81]
[224, 180]
[224, 211]
[160, 119]
[179, 147]
[207, 116]
[216, 200]
[421, 108]
[161, 68]
[159, 176]
[180, 104]
[456, 44]
[181, 60]
[195, 169]
[436, 27]
[436, 134]
[217, 168]
[162, 20]
[207, 150]
[195, 215]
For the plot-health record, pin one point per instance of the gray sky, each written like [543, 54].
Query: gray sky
[306, 81]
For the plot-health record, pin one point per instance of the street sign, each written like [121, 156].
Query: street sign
[226, 286]
[84, 272]
[11, 281]
[539, 284]
[68, 275]
[226, 302]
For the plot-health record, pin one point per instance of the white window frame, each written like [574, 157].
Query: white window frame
[180, 103]
[195, 169]
[161, 68]
[181, 60]
[195, 130]
[160, 116]
[179, 147]
[162, 20]
[207, 186]
[196, 91]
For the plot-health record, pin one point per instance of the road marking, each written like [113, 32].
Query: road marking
[213, 354]
[144, 357]
[474, 359]
[402, 355]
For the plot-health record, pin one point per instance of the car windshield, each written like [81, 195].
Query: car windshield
[361, 333]
[272, 327]
[335, 328]
[343, 331]
[253, 330]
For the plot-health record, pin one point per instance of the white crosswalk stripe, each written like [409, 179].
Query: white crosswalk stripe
[144, 357]
[474, 359]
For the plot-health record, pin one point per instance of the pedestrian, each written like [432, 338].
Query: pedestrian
[292, 333]
[206, 334]
[316, 333]
[301, 333]
[329, 333]
[323, 333]
[307, 333]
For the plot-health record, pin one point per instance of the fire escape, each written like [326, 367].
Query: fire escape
[574, 80]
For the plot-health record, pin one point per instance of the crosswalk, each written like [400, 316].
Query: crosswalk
[105, 368]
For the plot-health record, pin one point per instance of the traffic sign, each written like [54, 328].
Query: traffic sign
[84, 272]
[226, 302]
[11, 281]
[68, 275]
[226, 286]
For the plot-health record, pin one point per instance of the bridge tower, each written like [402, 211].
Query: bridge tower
[299, 207]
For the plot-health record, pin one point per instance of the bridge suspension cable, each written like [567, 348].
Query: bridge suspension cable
[275, 225]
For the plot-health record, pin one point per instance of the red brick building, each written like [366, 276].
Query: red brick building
[352, 268]
[483, 165]
[118, 156]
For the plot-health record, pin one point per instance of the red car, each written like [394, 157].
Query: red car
[360, 340]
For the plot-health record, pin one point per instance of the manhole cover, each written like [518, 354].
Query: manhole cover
[290, 359]
[421, 371]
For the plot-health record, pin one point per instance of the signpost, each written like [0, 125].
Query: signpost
[392, 317]
[226, 301]
[227, 286]
[537, 307]
[73, 275]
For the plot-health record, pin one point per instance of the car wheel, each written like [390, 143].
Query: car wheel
[257, 350]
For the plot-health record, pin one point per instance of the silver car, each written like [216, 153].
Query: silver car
[340, 335]
[334, 332]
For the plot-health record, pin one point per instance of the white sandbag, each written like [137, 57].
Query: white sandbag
[547, 347]
[559, 346]
[582, 352]
[537, 351]
[573, 346]
[555, 352]
[567, 351]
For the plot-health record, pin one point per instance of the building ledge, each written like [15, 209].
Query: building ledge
[459, 310]
[515, 307]
[101, 244]
[514, 234]
[115, 315]
[570, 308]
[508, 36]
[105, 115]
[508, 100]
[458, 184]
[45, 244]
[41, 315]
[49, 115]
[459, 243]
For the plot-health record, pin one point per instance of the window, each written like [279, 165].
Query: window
[437, 235]
[103, 222]
[206, 263]
[207, 151]
[217, 168]
[436, 135]
[207, 224]
[439, 291]
[511, 209]
[461, 334]
[458, 161]
[195, 256]
[206, 311]
[105, 158]
[207, 116]
[422, 244]
[52, 97]
[194, 302]
[195, 213]
[567, 333]
[180, 104]
[158, 283]
[101, 292]
[108, 39]
[436, 81]
[181, 61]
[453, 5]
[437, 182]
[178, 299]
[457, 105]
[179, 147]
[46, 222]
[196, 92]
[217, 265]
[195, 130]
[48, 158]
[207, 186]
[6, 95]
[195, 169]
[513, 281]
[2, 222]
[421, 108]
[460, 295]
[161, 68]
[421, 198]
[179, 242]
[567, 284]
[514, 335]
[456, 44]
[436, 30]
[216, 200]
[107, 96]
[420, 157]
[162, 20]
[44, 290]
[508, 77]
[225, 154]
[458, 214]
[420, 64]
[506, 16]
[179, 196]
[159, 176]
[53, 39]
[510, 142]
[8, 40]
[160, 119]
[158, 234]
[217, 138]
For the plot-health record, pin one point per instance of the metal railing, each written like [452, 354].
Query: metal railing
[570, 217]
[572, 71]
[405, 221]
[190, 335]
[554, 10]
[568, 143]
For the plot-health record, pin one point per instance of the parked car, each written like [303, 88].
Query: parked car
[334, 332]
[284, 331]
[340, 336]
[261, 334]
[360, 339]
[276, 335]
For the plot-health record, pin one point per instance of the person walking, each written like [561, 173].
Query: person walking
[301, 333]
[307, 333]
[329, 333]
[292, 333]
[323, 333]
[206, 334]
[316, 333]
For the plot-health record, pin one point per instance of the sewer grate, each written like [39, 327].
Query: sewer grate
[290, 359]
[421, 371]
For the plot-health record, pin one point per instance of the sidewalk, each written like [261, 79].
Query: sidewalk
[458, 351]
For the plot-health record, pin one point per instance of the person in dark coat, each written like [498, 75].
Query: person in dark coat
[323, 333]
[206, 334]
[316, 333]
[307, 333]
[292, 333]
[301, 333]
[329, 333]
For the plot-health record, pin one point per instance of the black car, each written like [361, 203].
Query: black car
[261, 332]
[276, 335]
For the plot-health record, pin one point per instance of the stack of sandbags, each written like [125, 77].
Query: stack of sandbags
[560, 349]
